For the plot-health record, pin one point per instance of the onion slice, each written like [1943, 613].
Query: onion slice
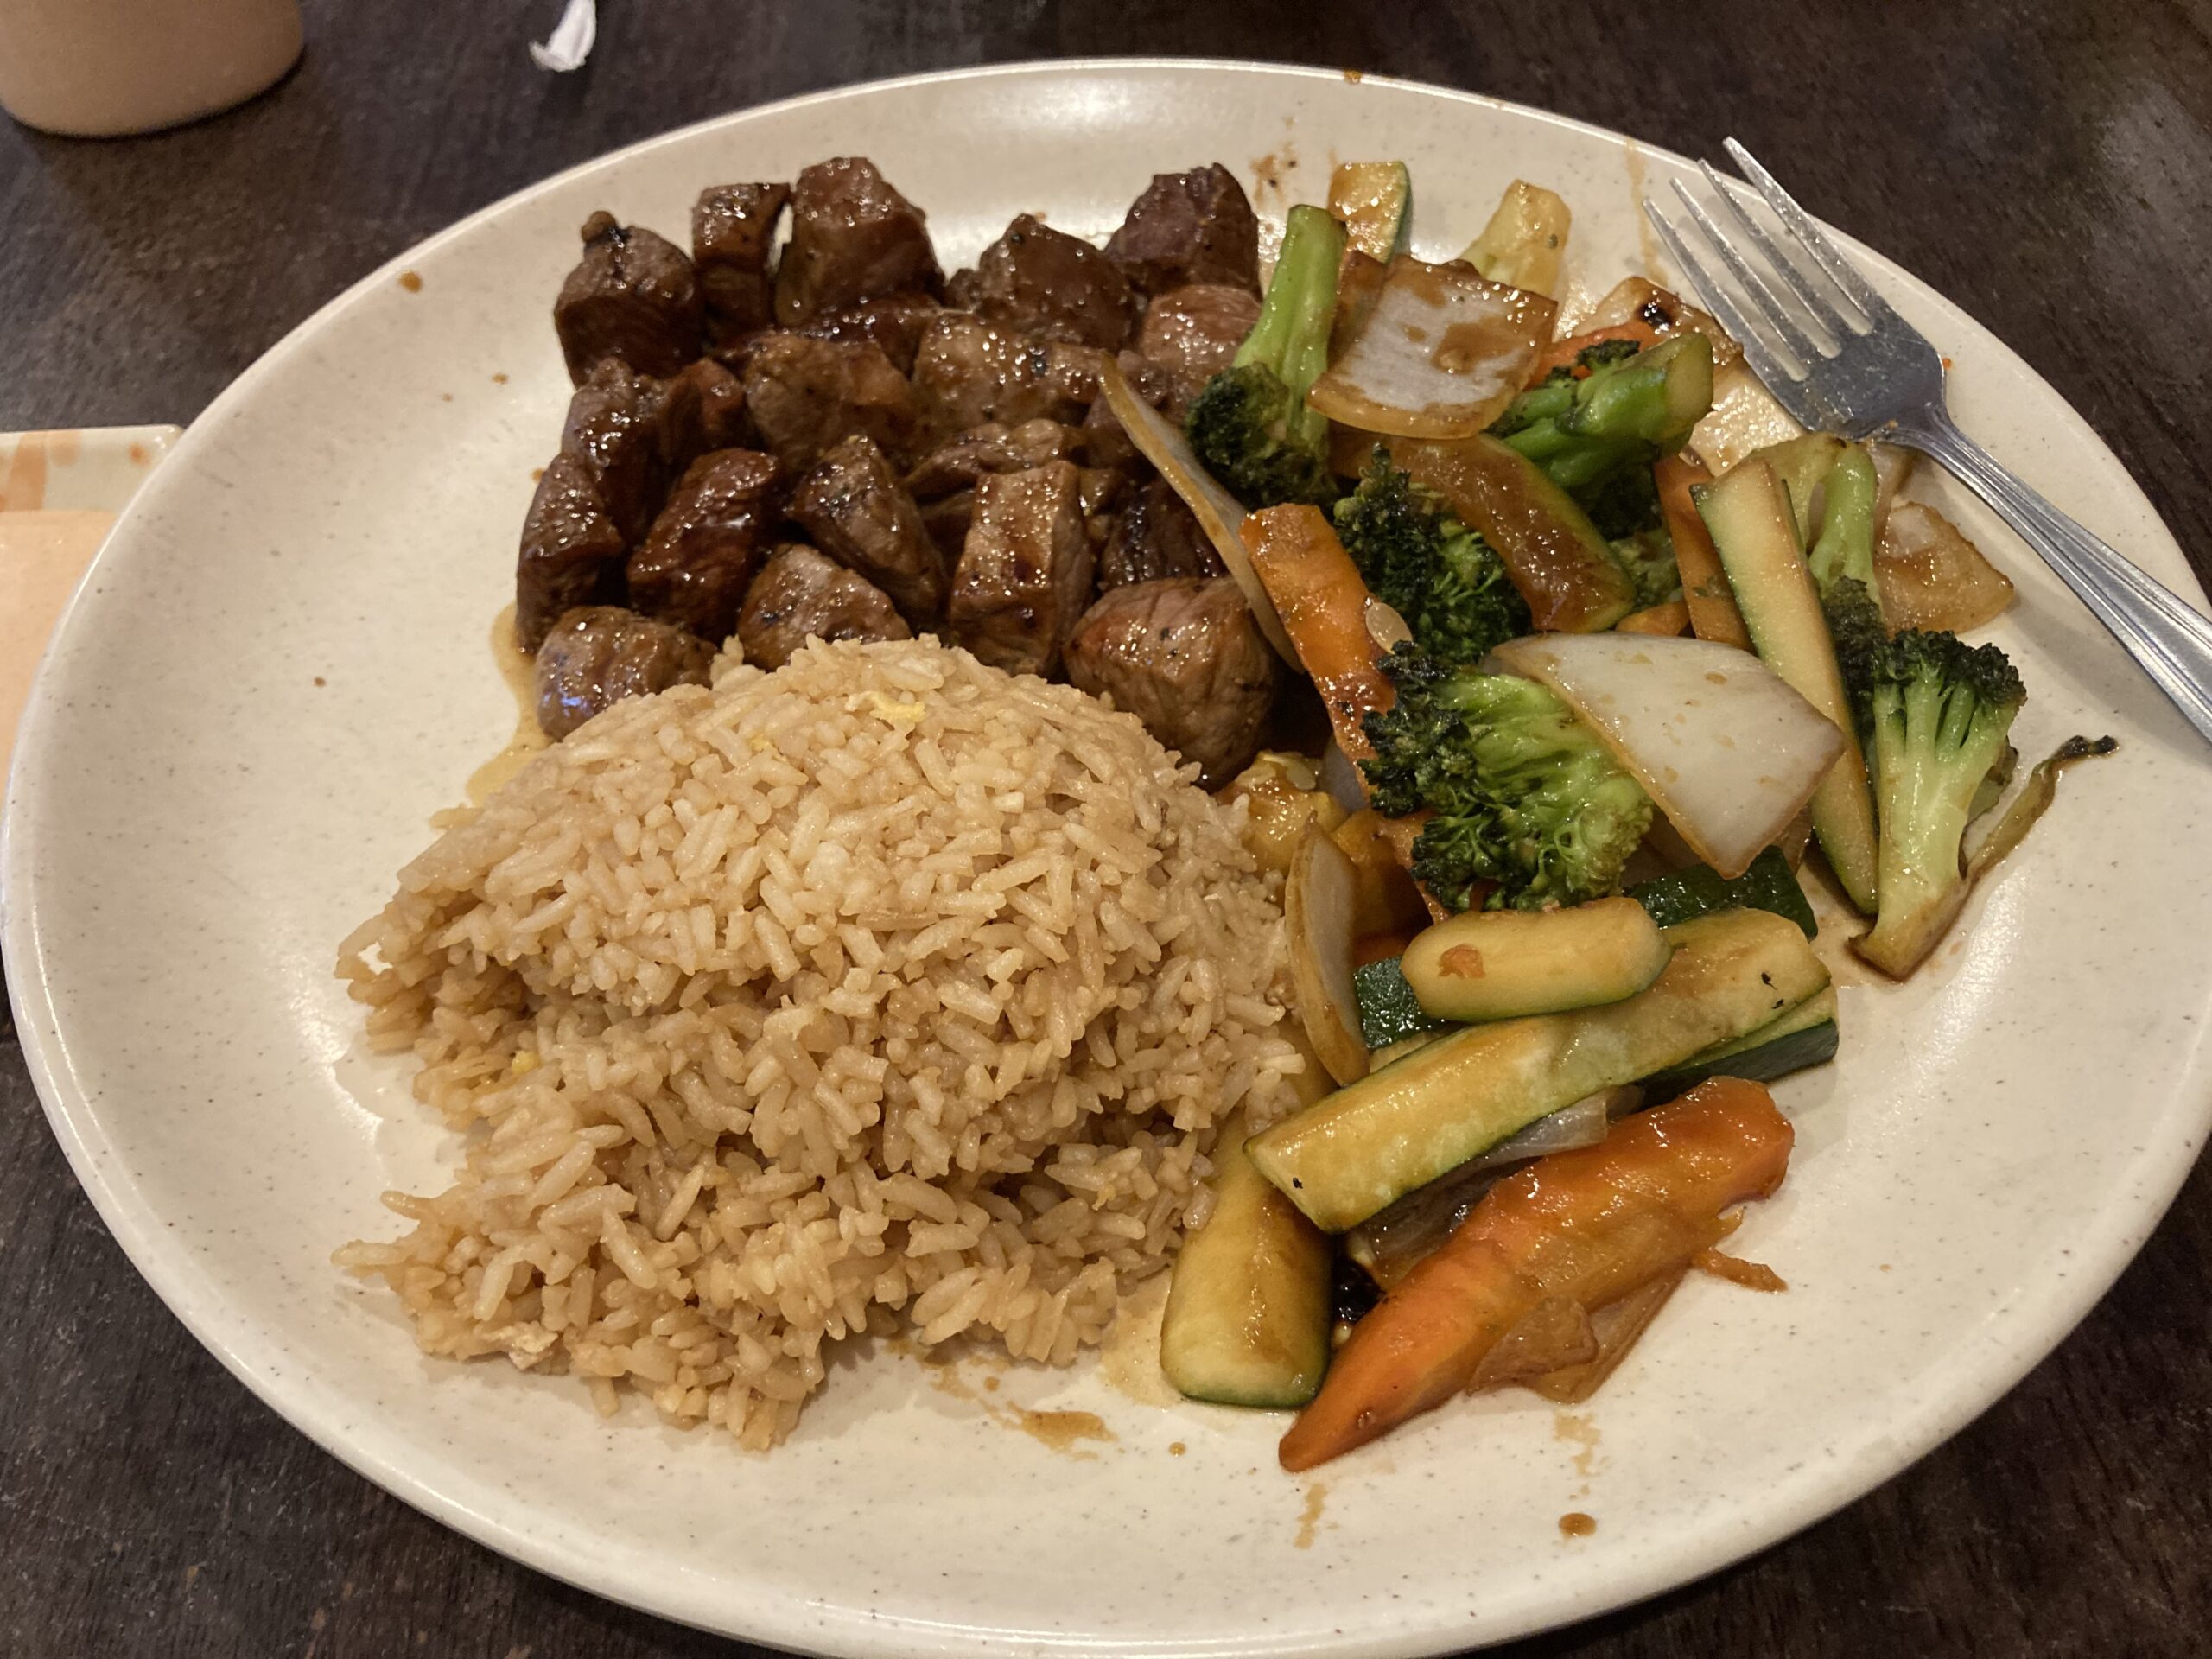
[1441, 354]
[1931, 576]
[1218, 513]
[1719, 742]
[1316, 906]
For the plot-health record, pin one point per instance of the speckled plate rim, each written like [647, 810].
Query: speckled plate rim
[1977, 1371]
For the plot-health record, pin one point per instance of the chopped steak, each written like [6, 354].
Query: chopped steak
[854, 506]
[1189, 227]
[1024, 575]
[595, 657]
[993, 447]
[706, 544]
[947, 519]
[633, 296]
[1186, 656]
[702, 409]
[613, 431]
[571, 552]
[1156, 535]
[1194, 331]
[1046, 282]
[807, 394]
[733, 233]
[853, 238]
[968, 371]
[799, 594]
[894, 321]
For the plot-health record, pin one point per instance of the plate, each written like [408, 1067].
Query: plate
[278, 669]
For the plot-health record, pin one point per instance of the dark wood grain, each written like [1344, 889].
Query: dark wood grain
[2049, 167]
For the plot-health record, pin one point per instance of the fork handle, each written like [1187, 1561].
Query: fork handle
[2168, 638]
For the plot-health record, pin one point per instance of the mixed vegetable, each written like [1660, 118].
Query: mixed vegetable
[1607, 646]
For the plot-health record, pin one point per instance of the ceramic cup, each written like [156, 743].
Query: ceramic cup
[95, 68]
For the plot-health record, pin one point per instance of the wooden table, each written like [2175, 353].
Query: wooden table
[2050, 169]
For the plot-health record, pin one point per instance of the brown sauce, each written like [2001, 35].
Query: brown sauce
[411, 280]
[1751, 1275]
[1575, 1524]
[519, 670]
[1309, 1520]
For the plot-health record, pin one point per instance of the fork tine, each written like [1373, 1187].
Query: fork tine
[1814, 240]
[1762, 297]
[1795, 268]
[1765, 363]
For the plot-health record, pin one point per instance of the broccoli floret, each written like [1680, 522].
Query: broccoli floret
[1845, 549]
[1525, 796]
[1621, 418]
[1939, 710]
[1251, 424]
[1647, 556]
[1442, 577]
[1855, 624]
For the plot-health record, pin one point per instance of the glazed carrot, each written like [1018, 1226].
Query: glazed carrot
[1562, 353]
[1673, 617]
[1590, 1226]
[1322, 599]
[1401, 834]
[1711, 602]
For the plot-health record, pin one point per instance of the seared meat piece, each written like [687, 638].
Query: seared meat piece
[733, 233]
[858, 512]
[571, 552]
[853, 238]
[993, 447]
[947, 520]
[805, 394]
[894, 321]
[1189, 227]
[801, 595]
[1193, 332]
[1024, 576]
[633, 296]
[1157, 536]
[1102, 442]
[706, 544]
[613, 430]
[702, 409]
[1100, 489]
[597, 655]
[1187, 658]
[970, 371]
[1046, 282]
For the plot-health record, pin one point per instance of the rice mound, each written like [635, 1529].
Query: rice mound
[886, 991]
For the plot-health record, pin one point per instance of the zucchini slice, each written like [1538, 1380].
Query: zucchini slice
[1249, 1305]
[1748, 512]
[1390, 1012]
[1804, 1036]
[1700, 890]
[1342, 1159]
[1501, 964]
[1374, 200]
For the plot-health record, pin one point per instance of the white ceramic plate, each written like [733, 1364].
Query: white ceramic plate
[277, 669]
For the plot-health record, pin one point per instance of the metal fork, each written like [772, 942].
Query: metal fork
[1841, 360]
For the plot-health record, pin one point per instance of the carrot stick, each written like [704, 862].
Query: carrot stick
[1591, 1226]
[1711, 602]
[1318, 593]
[1562, 353]
[1669, 617]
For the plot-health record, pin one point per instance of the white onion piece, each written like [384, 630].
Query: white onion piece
[1440, 356]
[1567, 1129]
[1218, 513]
[1719, 742]
[1744, 418]
[1341, 778]
[1317, 903]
